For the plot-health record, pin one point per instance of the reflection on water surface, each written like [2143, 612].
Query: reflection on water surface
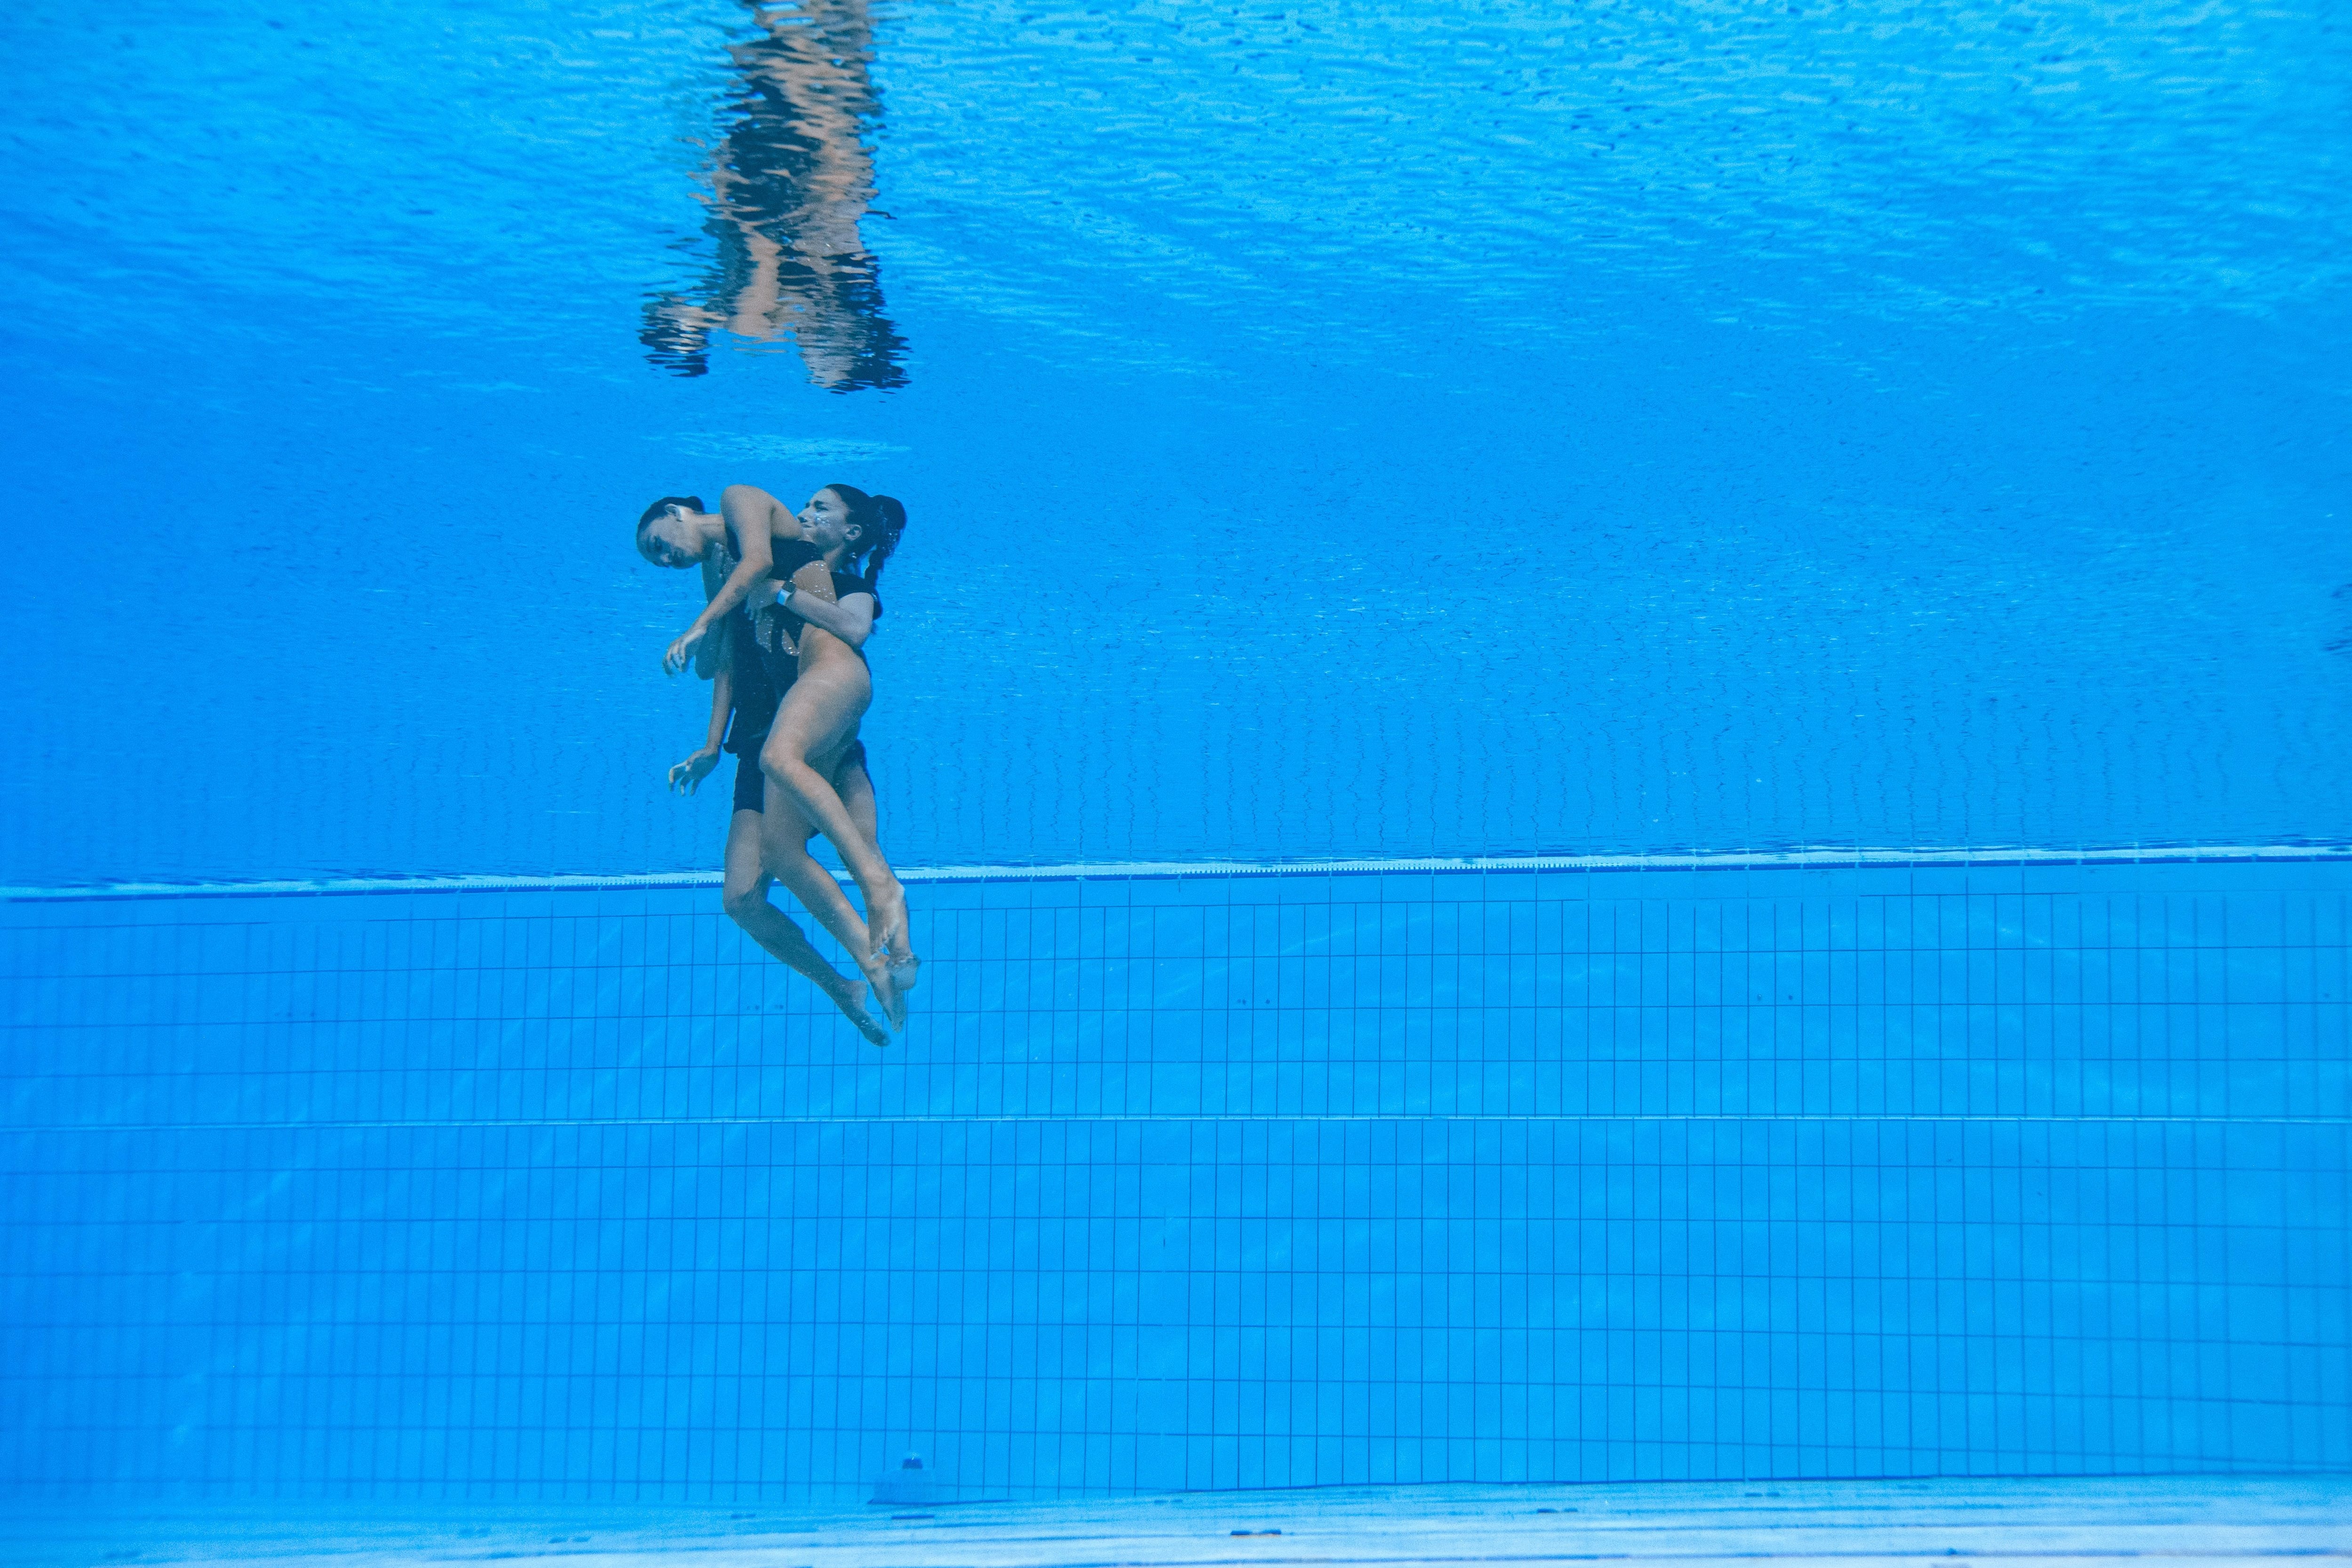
[789, 182]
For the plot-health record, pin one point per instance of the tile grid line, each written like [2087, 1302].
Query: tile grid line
[1183, 1118]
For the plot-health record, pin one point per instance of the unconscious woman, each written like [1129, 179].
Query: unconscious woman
[829, 612]
[738, 656]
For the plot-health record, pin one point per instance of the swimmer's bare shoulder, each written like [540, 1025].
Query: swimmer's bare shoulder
[749, 505]
[816, 579]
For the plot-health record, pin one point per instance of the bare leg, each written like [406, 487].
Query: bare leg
[783, 853]
[781, 842]
[745, 897]
[855, 786]
[818, 719]
[803, 786]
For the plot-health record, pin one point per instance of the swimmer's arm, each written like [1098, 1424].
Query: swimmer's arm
[750, 510]
[688, 774]
[850, 619]
[712, 653]
[723, 704]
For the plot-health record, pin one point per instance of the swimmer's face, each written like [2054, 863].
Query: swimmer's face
[668, 541]
[824, 523]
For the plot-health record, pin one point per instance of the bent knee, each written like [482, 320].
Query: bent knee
[776, 760]
[741, 903]
[790, 773]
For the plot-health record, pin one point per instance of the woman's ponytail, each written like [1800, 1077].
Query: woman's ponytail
[880, 520]
[891, 519]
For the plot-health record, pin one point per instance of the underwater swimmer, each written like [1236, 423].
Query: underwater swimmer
[749, 519]
[831, 611]
[675, 532]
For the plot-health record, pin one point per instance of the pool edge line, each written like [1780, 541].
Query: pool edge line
[1170, 870]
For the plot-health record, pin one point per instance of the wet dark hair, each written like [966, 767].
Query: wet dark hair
[880, 520]
[691, 503]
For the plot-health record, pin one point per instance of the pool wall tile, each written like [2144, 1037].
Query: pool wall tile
[1183, 1183]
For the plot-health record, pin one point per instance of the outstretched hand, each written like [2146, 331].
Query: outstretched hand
[688, 776]
[681, 652]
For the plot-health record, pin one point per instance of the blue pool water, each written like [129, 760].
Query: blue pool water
[1697, 439]
[1485, 428]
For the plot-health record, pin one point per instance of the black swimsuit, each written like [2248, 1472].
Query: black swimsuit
[844, 584]
[764, 660]
[751, 630]
[784, 662]
[756, 701]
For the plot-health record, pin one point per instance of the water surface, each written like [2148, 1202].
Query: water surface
[1329, 430]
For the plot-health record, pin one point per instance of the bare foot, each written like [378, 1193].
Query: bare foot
[885, 923]
[876, 1035]
[875, 967]
[851, 1000]
[887, 927]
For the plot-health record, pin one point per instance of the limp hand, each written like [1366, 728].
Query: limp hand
[688, 776]
[681, 652]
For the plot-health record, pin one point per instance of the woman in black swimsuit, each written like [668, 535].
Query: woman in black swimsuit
[675, 532]
[831, 612]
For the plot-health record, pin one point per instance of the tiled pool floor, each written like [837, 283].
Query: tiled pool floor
[1852, 1523]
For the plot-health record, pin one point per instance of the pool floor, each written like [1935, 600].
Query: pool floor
[2178, 1521]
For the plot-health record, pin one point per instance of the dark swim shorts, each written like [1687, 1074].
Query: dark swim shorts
[750, 783]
